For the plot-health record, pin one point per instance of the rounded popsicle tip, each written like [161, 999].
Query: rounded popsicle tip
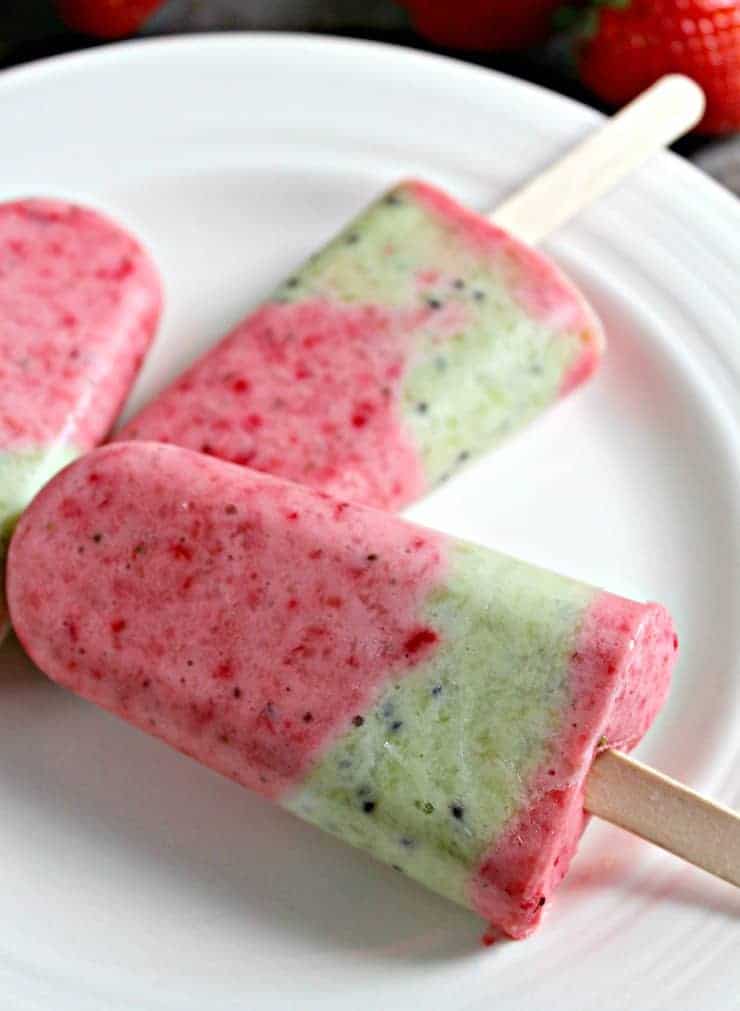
[82, 297]
[206, 603]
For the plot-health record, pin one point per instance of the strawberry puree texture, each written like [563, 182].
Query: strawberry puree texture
[418, 338]
[79, 302]
[244, 620]
[298, 391]
[429, 701]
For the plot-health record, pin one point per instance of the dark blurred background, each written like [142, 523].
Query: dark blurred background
[512, 42]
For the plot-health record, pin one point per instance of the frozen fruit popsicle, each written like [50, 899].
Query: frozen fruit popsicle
[432, 702]
[419, 337]
[415, 340]
[79, 303]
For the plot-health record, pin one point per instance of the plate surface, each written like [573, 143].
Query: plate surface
[132, 878]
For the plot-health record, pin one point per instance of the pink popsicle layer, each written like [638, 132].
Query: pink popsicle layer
[79, 305]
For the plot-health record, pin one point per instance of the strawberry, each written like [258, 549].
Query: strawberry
[109, 19]
[634, 42]
[483, 24]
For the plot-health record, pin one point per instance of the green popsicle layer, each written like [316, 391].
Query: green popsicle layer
[431, 775]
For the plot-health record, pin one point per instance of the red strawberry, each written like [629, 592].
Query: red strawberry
[110, 19]
[483, 24]
[637, 41]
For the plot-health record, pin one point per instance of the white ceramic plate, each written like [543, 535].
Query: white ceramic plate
[133, 879]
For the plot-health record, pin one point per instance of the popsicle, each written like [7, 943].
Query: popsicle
[417, 339]
[432, 702]
[79, 304]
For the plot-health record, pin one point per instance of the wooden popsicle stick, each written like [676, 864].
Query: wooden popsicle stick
[627, 793]
[660, 115]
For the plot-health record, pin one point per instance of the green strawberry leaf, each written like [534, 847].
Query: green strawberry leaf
[582, 19]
